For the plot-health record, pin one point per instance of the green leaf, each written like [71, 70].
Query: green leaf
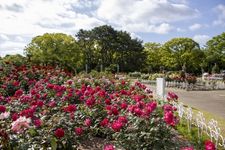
[54, 143]
[32, 132]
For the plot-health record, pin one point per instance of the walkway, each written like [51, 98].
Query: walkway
[210, 101]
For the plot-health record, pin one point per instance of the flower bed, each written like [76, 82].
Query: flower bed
[45, 107]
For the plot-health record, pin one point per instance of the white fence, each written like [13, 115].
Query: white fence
[210, 128]
[206, 85]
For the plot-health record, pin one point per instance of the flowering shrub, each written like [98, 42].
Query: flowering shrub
[46, 107]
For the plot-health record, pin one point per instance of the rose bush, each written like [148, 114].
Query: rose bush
[46, 107]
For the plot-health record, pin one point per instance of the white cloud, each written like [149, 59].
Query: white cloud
[9, 47]
[134, 35]
[201, 39]
[143, 27]
[195, 26]
[144, 15]
[31, 18]
[180, 1]
[26, 18]
[149, 11]
[19, 39]
[40, 16]
[220, 10]
[4, 37]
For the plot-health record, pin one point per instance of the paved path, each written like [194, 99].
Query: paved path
[210, 101]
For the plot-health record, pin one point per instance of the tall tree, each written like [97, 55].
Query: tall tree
[108, 47]
[153, 51]
[55, 49]
[182, 51]
[215, 51]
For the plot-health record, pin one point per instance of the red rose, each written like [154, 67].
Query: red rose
[172, 96]
[2, 108]
[59, 133]
[104, 122]
[209, 145]
[117, 125]
[107, 101]
[123, 105]
[70, 108]
[18, 93]
[79, 131]
[15, 116]
[168, 117]
[122, 119]
[37, 123]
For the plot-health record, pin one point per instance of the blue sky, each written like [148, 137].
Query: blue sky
[149, 20]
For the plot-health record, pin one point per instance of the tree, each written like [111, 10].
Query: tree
[106, 46]
[85, 41]
[215, 51]
[55, 49]
[182, 51]
[153, 51]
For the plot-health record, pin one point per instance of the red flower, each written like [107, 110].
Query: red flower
[70, 108]
[150, 107]
[90, 102]
[117, 125]
[123, 82]
[104, 122]
[79, 131]
[59, 133]
[109, 147]
[2, 108]
[168, 107]
[209, 145]
[168, 117]
[172, 96]
[37, 123]
[15, 116]
[40, 103]
[123, 119]
[87, 122]
[107, 101]
[18, 93]
[115, 111]
[123, 105]
[138, 112]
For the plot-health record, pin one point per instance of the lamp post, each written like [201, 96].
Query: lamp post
[86, 68]
[118, 68]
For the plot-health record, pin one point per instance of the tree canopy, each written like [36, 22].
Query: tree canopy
[179, 52]
[215, 51]
[55, 49]
[104, 47]
[108, 47]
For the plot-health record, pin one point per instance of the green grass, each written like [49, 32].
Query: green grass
[192, 136]
[208, 116]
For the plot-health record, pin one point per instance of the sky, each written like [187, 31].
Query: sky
[148, 20]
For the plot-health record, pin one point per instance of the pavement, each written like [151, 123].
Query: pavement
[210, 101]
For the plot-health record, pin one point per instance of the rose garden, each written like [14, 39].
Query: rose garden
[42, 107]
[92, 93]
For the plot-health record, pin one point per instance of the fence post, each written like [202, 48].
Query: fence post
[160, 87]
